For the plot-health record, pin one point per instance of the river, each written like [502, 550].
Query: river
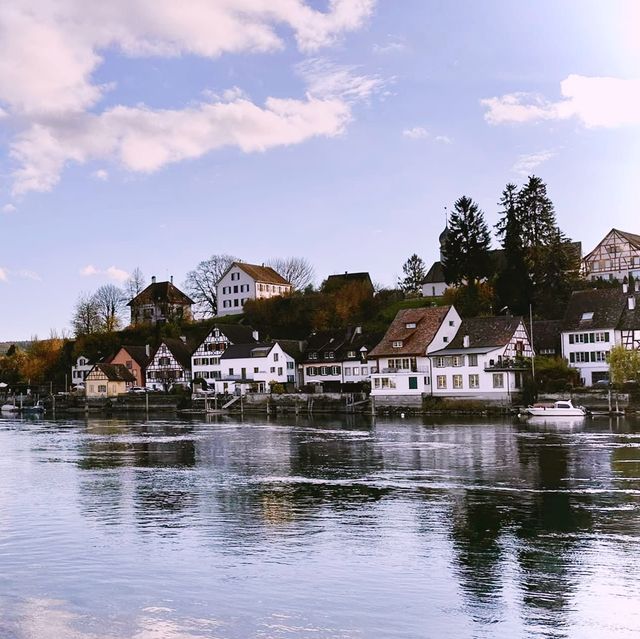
[323, 528]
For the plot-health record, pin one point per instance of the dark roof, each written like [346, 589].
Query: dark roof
[139, 354]
[242, 351]
[632, 238]
[260, 273]
[161, 293]
[415, 340]
[337, 281]
[606, 304]
[435, 274]
[291, 347]
[546, 335]
[116, 372]
[630, 318]
[486, 332]
[340, 342]
[180, 350]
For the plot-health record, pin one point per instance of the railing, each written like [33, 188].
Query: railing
[413, 369]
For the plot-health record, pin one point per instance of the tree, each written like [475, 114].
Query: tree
[537, 214]
[553, 277]
[86, 315]
[624, 365]
[135, 284]
[298, 271]
[110, 301]
[414, 273]
[471, 301]
[201, 283]
[466, 250]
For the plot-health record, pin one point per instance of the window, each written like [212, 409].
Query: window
[235, 288]
[289, 365]
[452, 323]
[256, 370]
[376, 382]
[498, 380]
[231, 371]
[347, 370]
[336, 370]
[365, 370]
[330, 355]
[276, 356]
[279, 370]
[457, 381]
[311, 370]
[397, 344]
[438, 362]
[351, 354]
[272, 369]
[445, 339]
[102, 388]
[413, 383]
[236, 302]
[457, 360]
[474, 380]
[473, 360]
[410, 325]
[313, 355]
[586, 317]
[441, 381]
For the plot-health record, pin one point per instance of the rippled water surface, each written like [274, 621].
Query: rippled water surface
[325, 528]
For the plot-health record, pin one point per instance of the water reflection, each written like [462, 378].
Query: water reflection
[261, 528]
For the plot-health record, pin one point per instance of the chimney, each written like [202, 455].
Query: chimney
[256, 336]
[631, 302]
[625, 287]
[183, 338]
[171, 279]
[153, 279]
[465, 341]
[358, 330]
[147, 350]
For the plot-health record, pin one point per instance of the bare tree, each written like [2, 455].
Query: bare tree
[110, 301]
[296, 270]
[201, 283]
[86, 316]
[135, 284]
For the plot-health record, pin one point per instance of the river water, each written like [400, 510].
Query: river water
[323, 528]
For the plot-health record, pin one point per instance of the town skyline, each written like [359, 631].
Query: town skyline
[368, 121]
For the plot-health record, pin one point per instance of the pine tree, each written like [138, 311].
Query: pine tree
[537, 214]
[466, 250]
[553, 277]
[414, 274]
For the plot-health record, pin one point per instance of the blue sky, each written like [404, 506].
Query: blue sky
[153, 135]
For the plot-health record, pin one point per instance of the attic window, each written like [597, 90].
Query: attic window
[410, 325]
[397, 344]
[351, 353]
[586, 316]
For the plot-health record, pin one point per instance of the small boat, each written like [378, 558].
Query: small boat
[34, 409]
[9, 408]
[562, 408]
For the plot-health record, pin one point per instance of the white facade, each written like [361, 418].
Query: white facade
[411, 375]
[205, 361]
[266, 364]
[80, 370]
[164, 370]
[353, 368]
[237, 286]
[588, 352]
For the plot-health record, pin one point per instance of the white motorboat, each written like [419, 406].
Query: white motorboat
[562, 408]
[9, 408]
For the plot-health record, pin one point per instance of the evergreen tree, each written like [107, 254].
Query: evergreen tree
[553, 284]
[414, 274]
[513, 282]
[466, 257]
[537, 214]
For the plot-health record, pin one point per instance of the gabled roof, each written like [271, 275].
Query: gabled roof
[180, 351]
[485, 332]
[632, 238]
[435, 274]
[414, 340]
[340, 342]
[235, 333]
[546, 335]
[161, 293]
[244, 351]
[259, 273]
[115, 372]
[138, 354]
[606, 304]
[291, 347]
[630, 318]
[343, 278]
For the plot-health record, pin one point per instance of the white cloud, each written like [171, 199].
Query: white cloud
[328, 80]
[49, 89]
[101, 174]
[9, 208]
[445, 139]
[29, 275]
[393, 45]
[595, 101]
[112, 273]
[3, 275]
[526, 163]
[416, 133]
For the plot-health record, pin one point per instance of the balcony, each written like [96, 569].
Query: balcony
[405, 371]
[508, 364]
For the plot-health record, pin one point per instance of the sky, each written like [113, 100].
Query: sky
[153, 134]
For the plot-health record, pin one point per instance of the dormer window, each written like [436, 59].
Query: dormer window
[313, 355]
[329, 355]
[397, 344]
[586, 317]
[410, 325]
[351, 353]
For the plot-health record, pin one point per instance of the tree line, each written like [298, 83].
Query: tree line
[536, 266]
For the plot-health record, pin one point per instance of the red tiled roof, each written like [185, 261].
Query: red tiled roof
[414, 340]
[263, 274]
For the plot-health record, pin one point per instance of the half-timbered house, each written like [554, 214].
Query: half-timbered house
[487, 360]
[135, 359]
[159, 303]
[170, 365]
[108, 380]
[615, 257]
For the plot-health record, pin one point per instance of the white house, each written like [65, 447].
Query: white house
[595, 321]
[615, 257]
[242, 282]
[483, 361]
[335, 358]
[205, 360]
[401, 358]
[253, 367]
[80, 370]
[169, 365]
